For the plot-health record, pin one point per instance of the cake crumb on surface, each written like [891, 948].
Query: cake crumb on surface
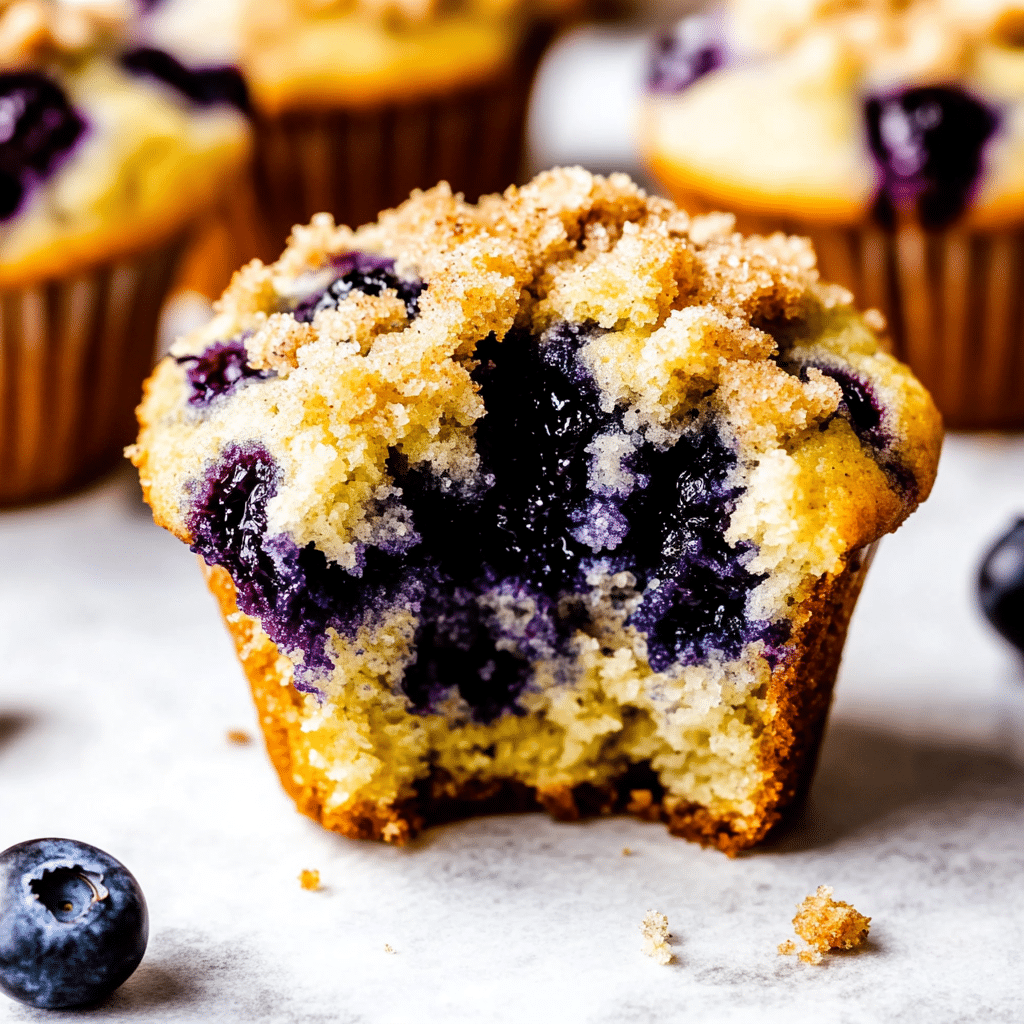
[309, 880]
[239, 737]
[654, 928]
[388, 948]
[626, 851]
[825, 924]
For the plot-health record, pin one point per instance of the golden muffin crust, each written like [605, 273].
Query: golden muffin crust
[684, 331]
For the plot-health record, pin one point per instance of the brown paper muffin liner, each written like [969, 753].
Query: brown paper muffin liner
[798, 698]
[954, 301]
[355, 163]
[73, 355]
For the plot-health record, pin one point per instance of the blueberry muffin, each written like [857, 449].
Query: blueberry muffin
[560, 500]
[892, 133]
[106, 158]
[357, 103]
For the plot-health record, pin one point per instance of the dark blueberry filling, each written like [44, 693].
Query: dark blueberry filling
[38, 126]
[220, 370]
[859, 406]
[205, 86]
[928, 145]
[360, 272]
[527, 538]
[680, 57]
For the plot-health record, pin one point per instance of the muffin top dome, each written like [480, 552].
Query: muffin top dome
[105, 149]
[570, 384]
[833, 112]
[316, 54]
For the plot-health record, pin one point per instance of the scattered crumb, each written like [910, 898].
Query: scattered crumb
[825, 924]
[626, 851]
[310, 880]
[654, 928]
[239, 736]
[388, 948]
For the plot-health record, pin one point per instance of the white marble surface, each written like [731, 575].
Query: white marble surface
[118, 684]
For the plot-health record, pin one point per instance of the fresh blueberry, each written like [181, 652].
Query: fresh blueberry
[928, 145]
[38, 126]
[204, 86]
[1001, 585]
[695, 47]
[73, 923]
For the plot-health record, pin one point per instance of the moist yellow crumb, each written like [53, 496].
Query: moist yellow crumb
[654, 929]
[388, 948]
[309, 880]
[626, 851]
[239, 737]
[825, 924]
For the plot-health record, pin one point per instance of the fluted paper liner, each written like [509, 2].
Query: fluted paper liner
[355, 163]
[73, 355]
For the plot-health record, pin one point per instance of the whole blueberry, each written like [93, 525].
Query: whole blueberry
[73, 923]
[1001, 585]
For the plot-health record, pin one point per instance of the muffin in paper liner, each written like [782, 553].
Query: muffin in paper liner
[891, 135]
[106, 159]
[356, 162]
[74, 352]
[563, 499]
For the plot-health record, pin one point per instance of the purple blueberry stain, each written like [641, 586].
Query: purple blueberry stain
[204, 86]
[360, 272]
[524, 540]
[691, 50]
[928, 144]
[221, 369]
[38, 128]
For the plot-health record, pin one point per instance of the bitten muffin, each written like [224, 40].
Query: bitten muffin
[890, 132]
[358, 102]
[562, 499]
[105, 160]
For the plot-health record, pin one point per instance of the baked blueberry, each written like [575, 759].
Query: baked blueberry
[204, 86]
[1001, 585]
[38, 126]
[693, 49]
[928, 143]
[73, 923]
[361, 272]
[217, 371]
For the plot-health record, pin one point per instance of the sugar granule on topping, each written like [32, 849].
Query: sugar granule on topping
[654, 929]
[825, 924]
[309, 880]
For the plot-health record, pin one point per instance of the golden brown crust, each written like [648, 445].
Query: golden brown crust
[799, 692]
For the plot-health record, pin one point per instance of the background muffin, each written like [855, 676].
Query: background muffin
[893, 135]
[356, 104]
[560, 499]
[104, 164]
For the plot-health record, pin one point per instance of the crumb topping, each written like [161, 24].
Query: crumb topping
[654, 929]
[825, 924]
[309, 879]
